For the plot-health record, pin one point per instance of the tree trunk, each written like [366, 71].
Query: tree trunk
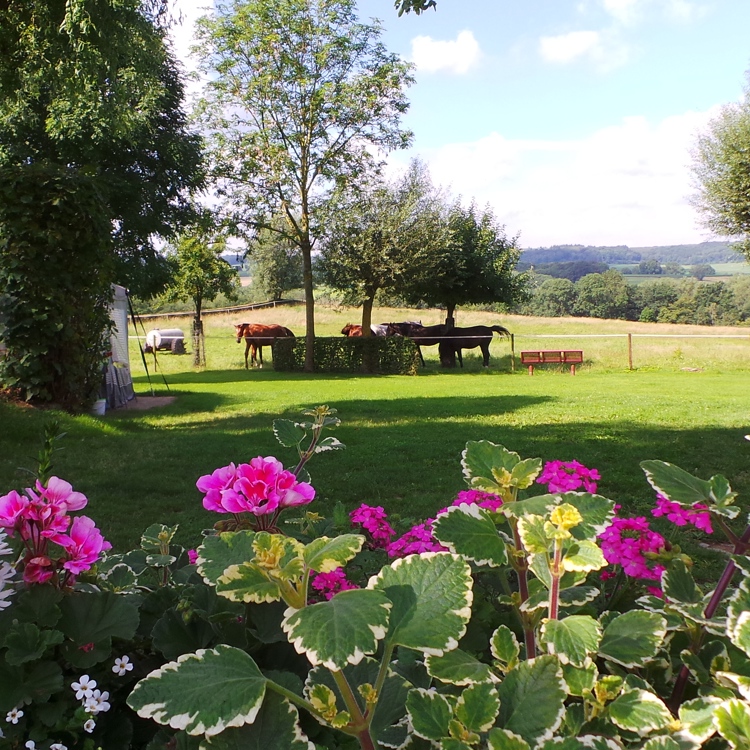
[199, 349]
[450, 319]
[306, 248]
[369, 356]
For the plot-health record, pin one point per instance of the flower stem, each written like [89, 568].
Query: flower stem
[554, 592]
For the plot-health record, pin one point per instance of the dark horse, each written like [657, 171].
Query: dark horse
[257, 336]
[451, 340]
[355, 330]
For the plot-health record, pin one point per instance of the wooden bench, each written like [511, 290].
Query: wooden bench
[555, 356]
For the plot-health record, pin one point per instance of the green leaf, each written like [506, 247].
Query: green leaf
[469, 531]
[732, 718]
[457, 668]
[221, 551]
[26, 642]
[633, 638]
[532, 533]
[340, 631]
[432, 596]
[38, 604]
[276, 727]
[477, 707]
[504, 647]
[160, 561]
[202, 693]
[678, 584]
[574, 640]
[289, 434]
[661, 743]
[502, 739]
[525, 472]
[583, 557]
[93, 617]
[32, 684]
[676, 484]
[157, 535]
[596, 511]
[429, 713]
[324, 555]
[248, 583]
[531, 699]
[697, 717]
[539, 505]
[580, 679]
[721, 491]
[639, 711]
[174, 636]
[329, 443]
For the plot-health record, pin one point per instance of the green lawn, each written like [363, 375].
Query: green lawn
[404, 435]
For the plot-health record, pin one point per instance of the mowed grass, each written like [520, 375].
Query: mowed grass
[686, 402]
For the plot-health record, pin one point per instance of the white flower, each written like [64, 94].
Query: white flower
[89, 726]
[14, 715]
[58, 746]
[5, 548]
[30, 745]
[122, 665]
[97, 702]
[84, 687]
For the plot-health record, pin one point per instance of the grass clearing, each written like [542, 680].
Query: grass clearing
[404, 435]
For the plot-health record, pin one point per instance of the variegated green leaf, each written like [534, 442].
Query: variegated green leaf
[340, 631]
[732, 719]
[248, 583]
[531, 699]
[221, 551]
[432, 597]
[502, 739]
[661, 743]
[157, 537]
[596, 513]
[429, 713]
[574, 640]
[275, 728]
[697, 717]
[504, 647]
[477, 707]
[737, 616]
[469, 531]
[580, 679]
[289, 434]
[584, 557]
[280, 555]
[675, 483]
[329, 443]
[678, 584]
[202, 693]
[633, 638]
[639, 711]
[538, 505]
[533, 535]
[525, 472]
[739, 682]
[457, 668]
[324, 555]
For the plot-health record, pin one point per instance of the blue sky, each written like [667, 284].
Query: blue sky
[573, 119]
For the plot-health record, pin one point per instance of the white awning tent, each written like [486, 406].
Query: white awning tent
[119, 381]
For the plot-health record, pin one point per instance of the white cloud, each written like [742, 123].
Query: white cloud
[625, 184]
[629, 12]
[456, 56]
[603, 48]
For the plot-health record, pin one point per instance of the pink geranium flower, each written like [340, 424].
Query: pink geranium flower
[373, 519]
[38, 569]
[12, 507]
[60, 493]
[329, 584]
[214, 485]
[560, 476]
[626, 541]
[83, 545]
[291, 492]
[418, 539]
[477, 497]
[681, 516]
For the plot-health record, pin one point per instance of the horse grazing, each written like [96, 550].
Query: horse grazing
[354, 329]
[257, 336]
[419, 334]
[456, 339]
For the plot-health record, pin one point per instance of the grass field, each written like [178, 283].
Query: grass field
[686, 402]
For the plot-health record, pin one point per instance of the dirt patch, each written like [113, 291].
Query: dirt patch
[141, 403]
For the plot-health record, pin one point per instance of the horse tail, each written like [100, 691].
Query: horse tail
[499, 329]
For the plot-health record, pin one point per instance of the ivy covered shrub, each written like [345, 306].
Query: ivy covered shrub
[56, 273]
[390, 355]
[499, 624]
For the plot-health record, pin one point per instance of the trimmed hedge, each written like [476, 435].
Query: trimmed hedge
[392, 355]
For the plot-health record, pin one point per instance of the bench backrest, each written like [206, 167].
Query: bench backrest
[554, 356]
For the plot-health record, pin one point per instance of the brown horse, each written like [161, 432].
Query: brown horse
[257, 336]
[384, 329]
[456, 339]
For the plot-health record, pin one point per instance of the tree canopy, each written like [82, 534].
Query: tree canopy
[301, 99]
[721, 168]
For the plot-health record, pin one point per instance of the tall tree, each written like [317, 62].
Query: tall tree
[277, 264]
[476, 265]
[91, 133]
[300, 97]
[721, 168]
[200, 274]
[382, 237]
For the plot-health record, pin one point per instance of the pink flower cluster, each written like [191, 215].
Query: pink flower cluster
[40, 516]
[331, 583]
[418, 539]
[626, 541]
[560, 476]
[680, 516]
[261, 487]
[476, 497]
[374, 520]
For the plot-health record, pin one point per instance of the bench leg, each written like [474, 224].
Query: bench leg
[531, 369]
[572, 369]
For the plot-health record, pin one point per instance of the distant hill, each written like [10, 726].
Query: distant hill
[687, 255]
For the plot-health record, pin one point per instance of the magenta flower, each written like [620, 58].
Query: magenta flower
[331, 583]
[12, 507]
[192, 556]
[38, 569]
[83, 545]
[568, 477]
[681, 516]
[373, 519]
[418, 539]
[58, 492]
[477, 497]
[291, 492]
[626, 541]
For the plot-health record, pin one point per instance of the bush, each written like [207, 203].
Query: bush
[391, 355]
